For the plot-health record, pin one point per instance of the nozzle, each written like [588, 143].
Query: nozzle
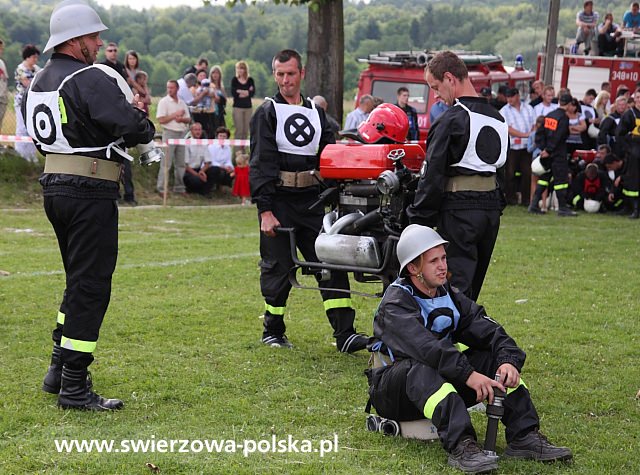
[149, 153]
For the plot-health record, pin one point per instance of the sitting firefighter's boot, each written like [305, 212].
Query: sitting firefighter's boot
[635, 214]
[76, 393]
[51, 383]
[536, 446]
[470, 458]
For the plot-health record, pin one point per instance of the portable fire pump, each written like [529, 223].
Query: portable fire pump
[368, 184]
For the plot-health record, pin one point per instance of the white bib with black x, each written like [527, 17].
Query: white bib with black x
[298, 130]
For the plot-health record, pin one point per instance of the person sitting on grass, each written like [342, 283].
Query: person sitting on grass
[445, 351]
[199, 177]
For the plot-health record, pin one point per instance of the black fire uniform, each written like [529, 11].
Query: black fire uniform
[76, 114]
[629, 130]
[127, 174]
[552, 137]
[607, 134]
[615, 202]
[288, 139]
[458, 191]
[584, 188]
[435, 344]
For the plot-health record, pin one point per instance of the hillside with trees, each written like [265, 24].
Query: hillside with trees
[169, 40]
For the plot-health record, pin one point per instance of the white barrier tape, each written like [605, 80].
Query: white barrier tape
[15, 138]
[206, 142]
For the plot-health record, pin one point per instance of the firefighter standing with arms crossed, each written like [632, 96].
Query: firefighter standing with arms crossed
[79, 117]
[288, 133]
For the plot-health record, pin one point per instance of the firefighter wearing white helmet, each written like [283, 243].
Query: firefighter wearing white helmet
[444, 352]
[79, 116]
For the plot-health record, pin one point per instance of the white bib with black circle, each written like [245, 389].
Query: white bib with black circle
[488, 143]
[298, 130]
[46, 112]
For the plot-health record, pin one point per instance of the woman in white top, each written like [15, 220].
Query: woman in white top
[132, 67]
[219, 95]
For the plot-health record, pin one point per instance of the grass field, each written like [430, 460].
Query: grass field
[180, 345]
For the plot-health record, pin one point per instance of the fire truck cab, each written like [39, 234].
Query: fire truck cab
[580, 73]
[389, 70]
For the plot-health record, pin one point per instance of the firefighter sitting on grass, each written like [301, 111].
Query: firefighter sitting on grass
[445, 352]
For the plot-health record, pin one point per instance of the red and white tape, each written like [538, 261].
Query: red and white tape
[15, 138]
[207, 142]
[25, 138]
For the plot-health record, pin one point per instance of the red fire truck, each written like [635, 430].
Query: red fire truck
[388, 70]
[579, 73]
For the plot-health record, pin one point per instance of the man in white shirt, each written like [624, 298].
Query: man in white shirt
[360, 114]
[173, 115]
[184, 90]
[520, 118]
[546, 105]
[199, 176]
[219, 158]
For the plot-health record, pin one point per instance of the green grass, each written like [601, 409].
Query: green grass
[180, 344]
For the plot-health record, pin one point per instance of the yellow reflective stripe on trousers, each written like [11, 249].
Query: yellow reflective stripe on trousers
[78, 345]
[436, 398]
[274, 310]
[63, 111]
[576, 199]
[337, 303]
[461, 347]
[631, 194]
[543, 182]
[510, 390]
[561, 186]
[60, 318]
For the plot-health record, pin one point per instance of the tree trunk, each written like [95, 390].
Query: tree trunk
[325, 54]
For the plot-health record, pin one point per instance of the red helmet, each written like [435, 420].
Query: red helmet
[386, 121]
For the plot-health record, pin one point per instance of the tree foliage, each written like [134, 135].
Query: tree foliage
[170, 39]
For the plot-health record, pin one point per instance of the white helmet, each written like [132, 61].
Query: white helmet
[591, 206]
[415, 240]
[71, 19]
[536, 167]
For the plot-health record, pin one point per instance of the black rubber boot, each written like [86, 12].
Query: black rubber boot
[537, 196]
[76, 393]
[563, 209]
[635, 214]
[347, 340]
[51, 382]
